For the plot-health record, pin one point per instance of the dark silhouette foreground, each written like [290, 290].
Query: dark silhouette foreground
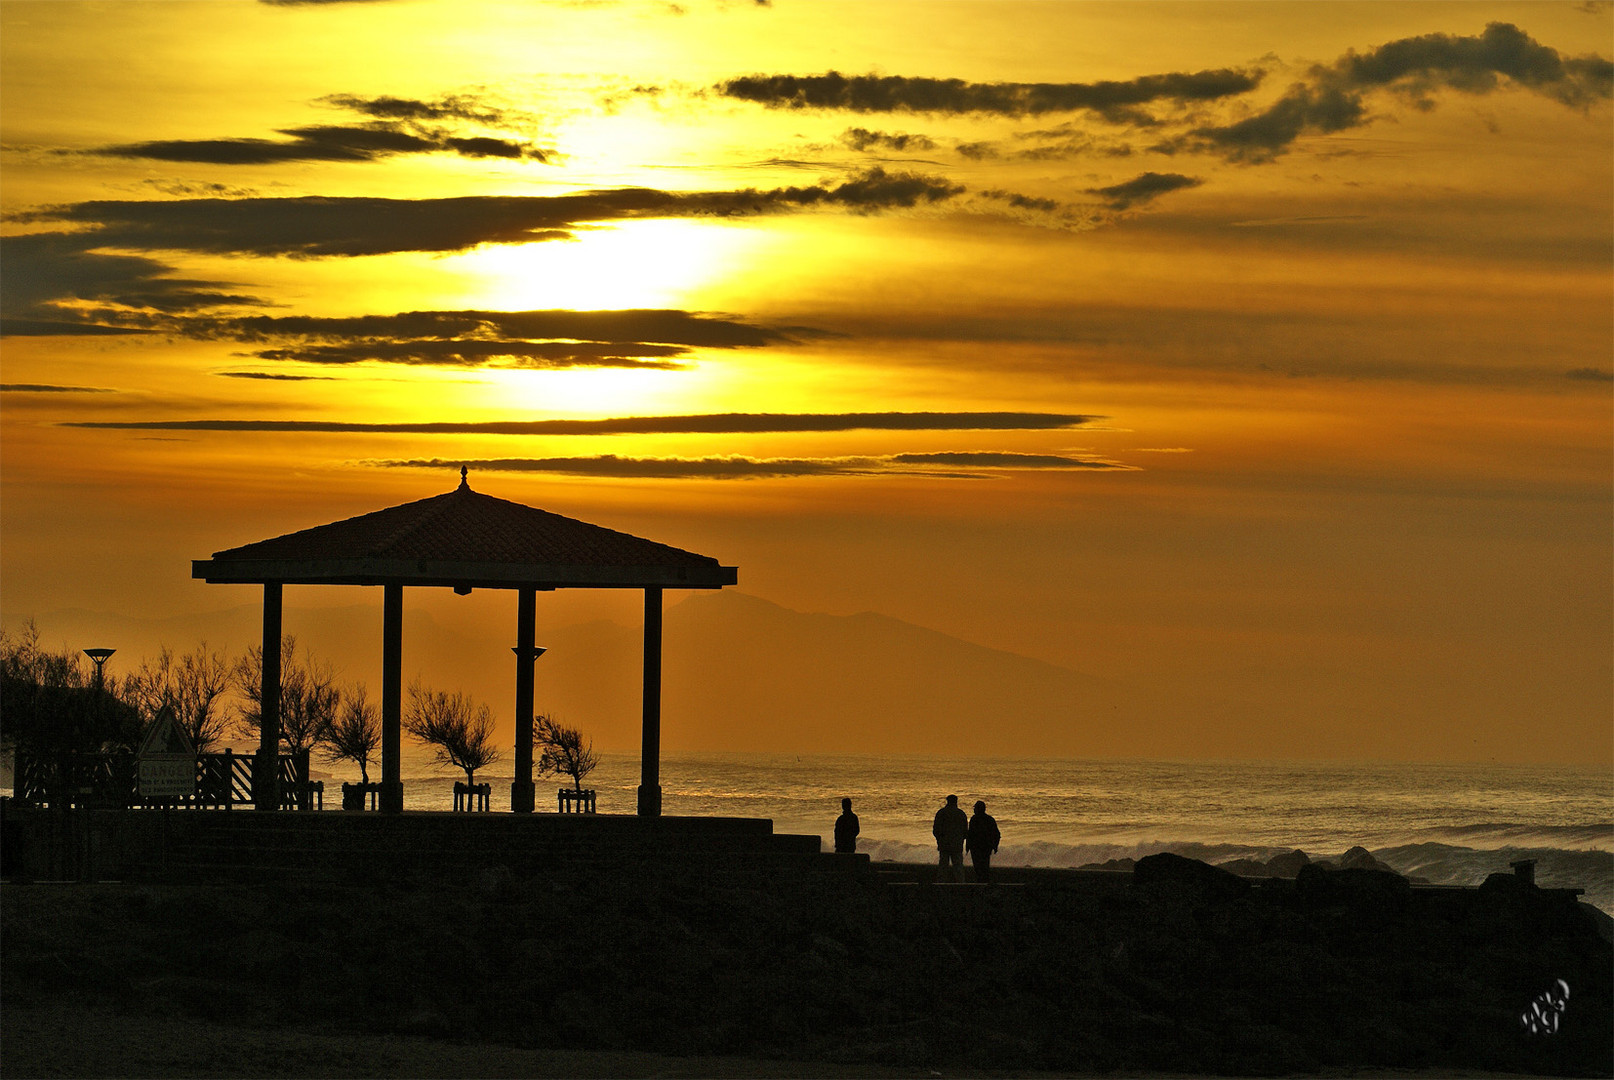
[1170, 969]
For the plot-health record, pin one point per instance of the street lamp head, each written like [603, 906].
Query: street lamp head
[100, 656]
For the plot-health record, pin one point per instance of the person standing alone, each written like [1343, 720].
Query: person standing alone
[950, 829]
[846, 828]
[982, 840]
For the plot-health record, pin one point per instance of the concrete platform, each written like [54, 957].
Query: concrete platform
[204, 845]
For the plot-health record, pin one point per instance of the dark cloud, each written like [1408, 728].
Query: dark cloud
[1590, 374]
[637, 338]
[706, 424]
[1003, 460]
[1332, 99]
[1268, 134]
[894, 93]
[632, 326]
[1474, 64]
[1062, 142]
[789, 163]
[57, 328]
[394, 126]
[323, 142]
[48, 274]
[450, 107]
[1023, 202]
[647, 338]
[937, 466]
[314, 226]
[1143, 188]
[525, 354]
[863, 139]
[47, 388]
[273, 376]
[185, 188]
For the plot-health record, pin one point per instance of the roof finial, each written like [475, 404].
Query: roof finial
[465, 484]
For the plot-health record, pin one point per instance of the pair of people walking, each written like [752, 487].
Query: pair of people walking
[954, 834]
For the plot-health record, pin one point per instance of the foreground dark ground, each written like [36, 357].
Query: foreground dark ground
[725, 973]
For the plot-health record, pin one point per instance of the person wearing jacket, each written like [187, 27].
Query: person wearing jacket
[846, 828]
[981, 838]
[949, 829]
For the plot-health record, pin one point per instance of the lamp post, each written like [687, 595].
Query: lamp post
[84, 789]
[97, 706]
[100, 656]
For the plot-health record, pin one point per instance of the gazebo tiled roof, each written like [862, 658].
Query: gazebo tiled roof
[465, 538]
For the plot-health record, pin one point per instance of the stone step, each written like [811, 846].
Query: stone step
[184, 868]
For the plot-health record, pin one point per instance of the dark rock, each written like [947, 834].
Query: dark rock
[1360, 858]
[427, 1021]
[1246, 868]
[1168, 872]
[1598, 918]
[1288, 864]
[1110, 864]
[1356, 887]
[1343, 971]
[1508, 885]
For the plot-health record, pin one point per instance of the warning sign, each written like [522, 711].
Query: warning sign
[167, 760]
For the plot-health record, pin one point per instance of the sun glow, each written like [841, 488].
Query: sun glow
[640, 264]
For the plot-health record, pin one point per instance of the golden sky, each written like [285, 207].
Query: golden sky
[1264, 350]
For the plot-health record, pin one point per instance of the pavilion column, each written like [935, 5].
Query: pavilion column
[650, 753]
[266, 767]
[522, 793]
[392, 699]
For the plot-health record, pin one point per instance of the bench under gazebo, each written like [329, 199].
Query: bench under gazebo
[462, 540]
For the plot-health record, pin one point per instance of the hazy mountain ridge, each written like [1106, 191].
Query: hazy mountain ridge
[739, 673]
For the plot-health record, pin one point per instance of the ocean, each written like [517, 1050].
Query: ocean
[1448, 824]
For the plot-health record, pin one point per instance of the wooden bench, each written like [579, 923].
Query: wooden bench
[573, 801]
[470, 797]
[303, 795]
[361, 796]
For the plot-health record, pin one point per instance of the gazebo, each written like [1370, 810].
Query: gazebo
[462, 540]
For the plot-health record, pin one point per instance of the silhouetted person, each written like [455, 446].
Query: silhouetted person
[846, 828]
[950, 829]
[982, 841]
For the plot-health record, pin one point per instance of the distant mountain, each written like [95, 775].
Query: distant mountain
[739, 673]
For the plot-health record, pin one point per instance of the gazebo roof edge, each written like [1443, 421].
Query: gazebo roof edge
[465, 537]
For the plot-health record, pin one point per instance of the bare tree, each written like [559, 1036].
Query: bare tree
[565, 752]
[355, 732]
[309, 697]
[193, 684]
[23, 658]
[459, 729]
[49, 700]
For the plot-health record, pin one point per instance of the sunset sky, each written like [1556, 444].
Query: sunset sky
[1258, 352]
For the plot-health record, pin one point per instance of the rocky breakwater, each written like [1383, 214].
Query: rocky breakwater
[1183, 967]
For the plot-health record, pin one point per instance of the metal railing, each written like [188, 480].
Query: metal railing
[110, 781]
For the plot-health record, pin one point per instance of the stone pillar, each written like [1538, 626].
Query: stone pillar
[392, 699]
[650, 753]
[522, 794]
[266, 765]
